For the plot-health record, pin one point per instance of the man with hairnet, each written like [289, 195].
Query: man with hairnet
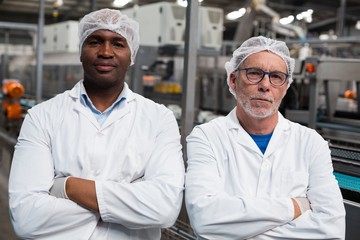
[98, 161]
[254, 174]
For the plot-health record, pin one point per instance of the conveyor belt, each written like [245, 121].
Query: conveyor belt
[346, 160]
[345, 153]
[348, 182]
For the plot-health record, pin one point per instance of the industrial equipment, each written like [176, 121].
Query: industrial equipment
[211, 26]
[214, 94]
[320, 85]
[245, 27]
[61, 37]
[12, 112]
[168, 25]
[12, 91]
[162, 79]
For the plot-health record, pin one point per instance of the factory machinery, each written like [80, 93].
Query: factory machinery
[326, 93]
[318, 98]
[12, 111]
[324, 96]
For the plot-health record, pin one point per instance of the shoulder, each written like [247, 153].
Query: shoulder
[211, 130]
[150, 110]
[50, 113]
[216, 124]
[304, 134]
[150, 104]
[52, 105]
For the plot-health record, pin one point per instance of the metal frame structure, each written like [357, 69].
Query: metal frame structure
[330, 72]
[328, 76]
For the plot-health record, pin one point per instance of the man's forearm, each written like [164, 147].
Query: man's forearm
[83, 192]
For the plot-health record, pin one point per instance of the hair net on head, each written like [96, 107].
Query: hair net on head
[113, 20]
[255, 45]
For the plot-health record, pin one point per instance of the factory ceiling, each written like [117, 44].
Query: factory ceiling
[327, 14]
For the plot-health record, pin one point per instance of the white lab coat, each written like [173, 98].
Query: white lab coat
[233, 191]
[135, 158]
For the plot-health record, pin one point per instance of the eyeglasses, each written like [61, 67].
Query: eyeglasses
[256, 75]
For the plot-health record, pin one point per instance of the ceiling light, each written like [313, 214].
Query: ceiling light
[286, 20]
[324, 36]
[120, 3]
[357, 26]
[306, 15]
[59, 3]
[184, 3]
[236, 14]
[328, 36]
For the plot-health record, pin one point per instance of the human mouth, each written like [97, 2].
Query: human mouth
[104, 67]
[261, 99]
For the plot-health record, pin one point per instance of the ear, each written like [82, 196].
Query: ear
[232, 81]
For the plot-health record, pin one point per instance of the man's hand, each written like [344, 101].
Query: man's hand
[301, 205]
[78, 190]
[58, 189]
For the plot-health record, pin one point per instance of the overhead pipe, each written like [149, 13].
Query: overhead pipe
[40, 52]
[244, 29]
[341, 19]
[287, 30]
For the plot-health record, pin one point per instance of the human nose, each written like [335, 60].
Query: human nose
[265, 83]
[106, 50]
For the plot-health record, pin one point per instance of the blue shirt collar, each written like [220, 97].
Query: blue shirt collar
[100, 116]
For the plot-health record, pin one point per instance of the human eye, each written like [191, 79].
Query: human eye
[278, 75]
[254, 72]
[92, 42]
[118, 44]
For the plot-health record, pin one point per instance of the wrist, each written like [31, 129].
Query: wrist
[297, 210]
[66, 187]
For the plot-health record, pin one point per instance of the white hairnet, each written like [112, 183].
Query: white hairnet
[255, 45]
[115, 21]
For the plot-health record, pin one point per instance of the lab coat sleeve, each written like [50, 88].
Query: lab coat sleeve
[155, 200]
[326, 220]
[213, 213]
[34, 213]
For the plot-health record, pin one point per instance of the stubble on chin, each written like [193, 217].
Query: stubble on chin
[259, 110]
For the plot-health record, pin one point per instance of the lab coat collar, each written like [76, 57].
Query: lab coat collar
[242, 137]
[233, 121]
[280, 133]
[122, 110]
[76, 90]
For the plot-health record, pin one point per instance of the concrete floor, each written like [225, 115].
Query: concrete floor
[6, 230]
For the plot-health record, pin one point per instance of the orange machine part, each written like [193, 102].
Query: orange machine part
[13, 110]
[13, 89]
[310, 68]
[349, 94]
